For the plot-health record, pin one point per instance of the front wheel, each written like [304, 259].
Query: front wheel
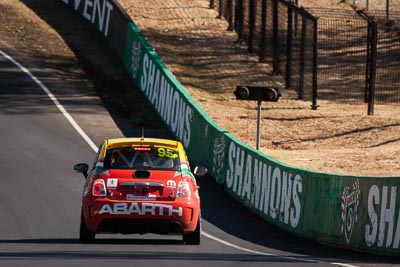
[85, 235]
[194, 237]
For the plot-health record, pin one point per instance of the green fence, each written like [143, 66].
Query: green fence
[358, 213]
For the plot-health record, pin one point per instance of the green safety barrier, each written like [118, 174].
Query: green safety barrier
[359, 213]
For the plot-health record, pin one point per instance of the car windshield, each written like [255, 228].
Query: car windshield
[161, 158]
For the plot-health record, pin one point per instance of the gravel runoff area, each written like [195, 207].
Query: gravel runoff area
[207, 60]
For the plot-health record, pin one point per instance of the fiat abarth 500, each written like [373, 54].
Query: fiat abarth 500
[139, 186]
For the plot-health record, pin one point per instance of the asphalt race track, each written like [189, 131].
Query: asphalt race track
[40, 194]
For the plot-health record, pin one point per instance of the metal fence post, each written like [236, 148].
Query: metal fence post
[289, 48]
[372, 72]
[258, 124]
[263, 30]
[252, 21]
[239, 19]
[219, 9]
[212, 4]
[275, 41]
[387, 9]
[296, 18]
[230, 15]
[314, 105]
[368, 59]
[302, 56]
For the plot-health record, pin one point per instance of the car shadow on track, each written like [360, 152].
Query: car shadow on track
[41, 241]
[105, 241]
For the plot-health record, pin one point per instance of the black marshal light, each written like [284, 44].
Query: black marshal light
[257, 93]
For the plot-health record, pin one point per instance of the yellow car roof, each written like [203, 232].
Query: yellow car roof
[116, 142]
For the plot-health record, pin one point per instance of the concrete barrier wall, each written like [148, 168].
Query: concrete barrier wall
[358, 213]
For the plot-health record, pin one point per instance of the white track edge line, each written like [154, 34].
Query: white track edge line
[268, 254]
[254, 251]
[343, 264]
[94, 147]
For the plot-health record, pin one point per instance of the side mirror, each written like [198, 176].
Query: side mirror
[200, 171]
[82, 168]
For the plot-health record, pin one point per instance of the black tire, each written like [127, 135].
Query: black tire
[85, 235]
[194, 237]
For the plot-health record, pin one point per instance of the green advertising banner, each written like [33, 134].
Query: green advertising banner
[358, 213]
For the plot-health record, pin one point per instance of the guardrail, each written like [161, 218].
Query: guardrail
[358, 213]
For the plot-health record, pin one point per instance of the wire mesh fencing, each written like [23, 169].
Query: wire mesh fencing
[336, 54]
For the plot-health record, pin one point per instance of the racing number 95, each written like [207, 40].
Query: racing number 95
[167, 153]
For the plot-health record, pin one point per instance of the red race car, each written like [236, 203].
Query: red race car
[139, 186]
